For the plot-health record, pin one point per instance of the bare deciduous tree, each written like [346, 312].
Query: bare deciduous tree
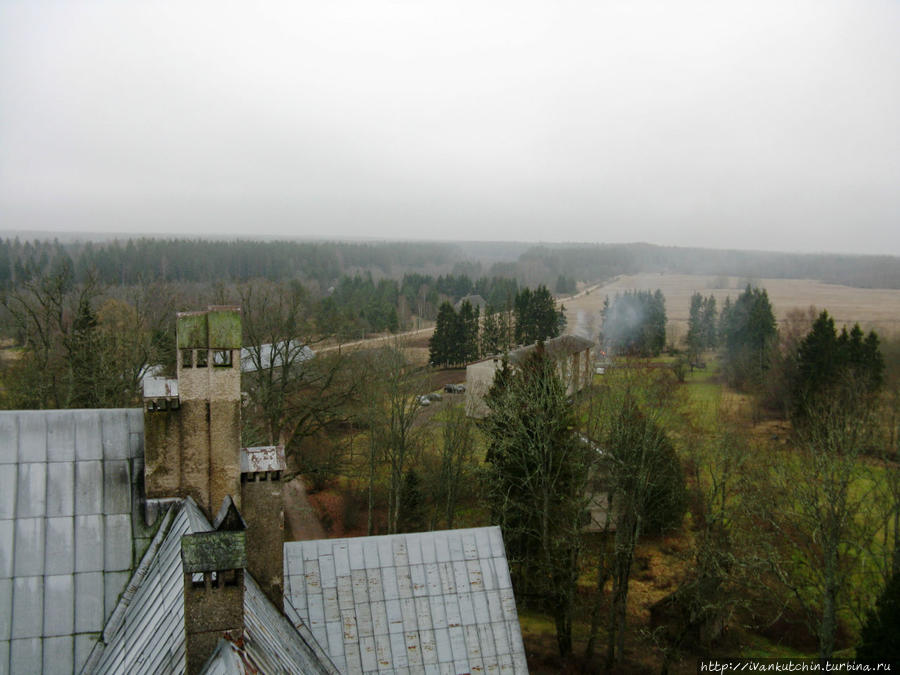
[293, 394]
[824, 516]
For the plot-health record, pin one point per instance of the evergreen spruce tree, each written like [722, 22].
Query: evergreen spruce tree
[491, 333]
[748, 332]
[695, 335]
[846, 366]
[522, 309]
[412, 504]
[878, 639]
[538, 480]
[468, 332]
[442, 348]
[708, 323]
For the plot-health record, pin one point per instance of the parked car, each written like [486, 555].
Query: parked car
[455, 388]
[424, 400]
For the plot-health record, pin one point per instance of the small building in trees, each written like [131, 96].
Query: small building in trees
[573, 356]
[474, 300]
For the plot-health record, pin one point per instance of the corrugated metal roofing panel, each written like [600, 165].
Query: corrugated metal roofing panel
[32, 490]
[8, 485]
[332, 611]
[59, 605]
[89, 602]
[6, 597]
[29, 547]
[88, 487]
[61, 436]
[114, 434]
[116, 487]
[7, 530]
[89, 543]
[374, 586]
[117, 543]
[9, 439]
[26, 655]
[436, 609]
[60, 488]
[88, 441]
[59, 655]
[32, 436]
[28, 607]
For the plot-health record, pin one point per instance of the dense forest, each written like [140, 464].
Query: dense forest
[145, 260]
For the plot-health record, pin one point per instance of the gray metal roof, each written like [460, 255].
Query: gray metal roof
[432, 602]
[268, 355]
[555, 347]
[68, 531]
[146, 631]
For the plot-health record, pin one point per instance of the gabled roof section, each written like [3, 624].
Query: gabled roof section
[146, 631]
[432, 601]
[69, 527]
[229, 518]
[273, 644]
[270, 644]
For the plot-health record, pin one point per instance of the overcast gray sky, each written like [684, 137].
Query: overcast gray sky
[766, 125]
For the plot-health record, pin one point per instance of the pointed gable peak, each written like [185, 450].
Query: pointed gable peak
[229, 518]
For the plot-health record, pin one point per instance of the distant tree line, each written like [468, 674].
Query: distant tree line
[146, 260]
[605, 261]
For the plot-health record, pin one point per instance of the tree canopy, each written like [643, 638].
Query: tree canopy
[748, 333]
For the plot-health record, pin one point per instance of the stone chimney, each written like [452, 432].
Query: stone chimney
[263, 509]
[213, 565]
[192, 425]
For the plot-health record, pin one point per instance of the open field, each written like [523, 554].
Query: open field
[877, 309]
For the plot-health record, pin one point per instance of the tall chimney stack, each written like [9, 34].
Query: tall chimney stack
[193, 424]
[213, 565]
[263, 509]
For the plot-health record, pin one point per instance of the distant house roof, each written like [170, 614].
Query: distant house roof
[146, 631]
[270, 355]
[555, 347]
[432, 601]
[474, 300]
[69, 525]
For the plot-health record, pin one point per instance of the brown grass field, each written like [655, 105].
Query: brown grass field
[877, 309]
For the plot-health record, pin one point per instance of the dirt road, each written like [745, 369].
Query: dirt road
[300, 520]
